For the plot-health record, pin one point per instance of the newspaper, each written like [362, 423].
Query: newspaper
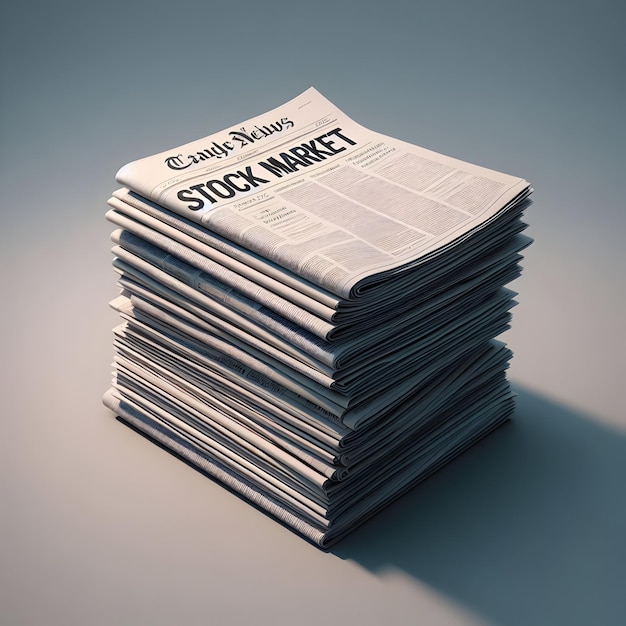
[322, 518]
[308, 309]
[188, 254]
[157, 334]
[310, 190]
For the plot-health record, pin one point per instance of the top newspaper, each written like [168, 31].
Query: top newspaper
[334, 203]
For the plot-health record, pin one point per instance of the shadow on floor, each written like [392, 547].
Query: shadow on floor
[526, 528]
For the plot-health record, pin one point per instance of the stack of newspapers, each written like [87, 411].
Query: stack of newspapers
[309, 310]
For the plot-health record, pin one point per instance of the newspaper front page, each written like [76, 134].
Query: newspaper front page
[332, 202]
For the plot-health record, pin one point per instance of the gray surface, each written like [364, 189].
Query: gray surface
[99, 526]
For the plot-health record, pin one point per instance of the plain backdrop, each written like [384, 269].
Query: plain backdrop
[98, 526]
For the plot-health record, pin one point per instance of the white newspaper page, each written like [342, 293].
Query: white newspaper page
[313, 191]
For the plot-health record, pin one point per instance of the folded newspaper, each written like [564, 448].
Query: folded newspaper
[309, 310]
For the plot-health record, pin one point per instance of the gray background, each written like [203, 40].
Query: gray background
[100, 527]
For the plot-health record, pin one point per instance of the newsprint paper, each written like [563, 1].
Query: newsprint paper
[316, 193]
[309, 310]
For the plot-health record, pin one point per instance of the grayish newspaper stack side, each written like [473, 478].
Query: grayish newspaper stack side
[309, 310]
